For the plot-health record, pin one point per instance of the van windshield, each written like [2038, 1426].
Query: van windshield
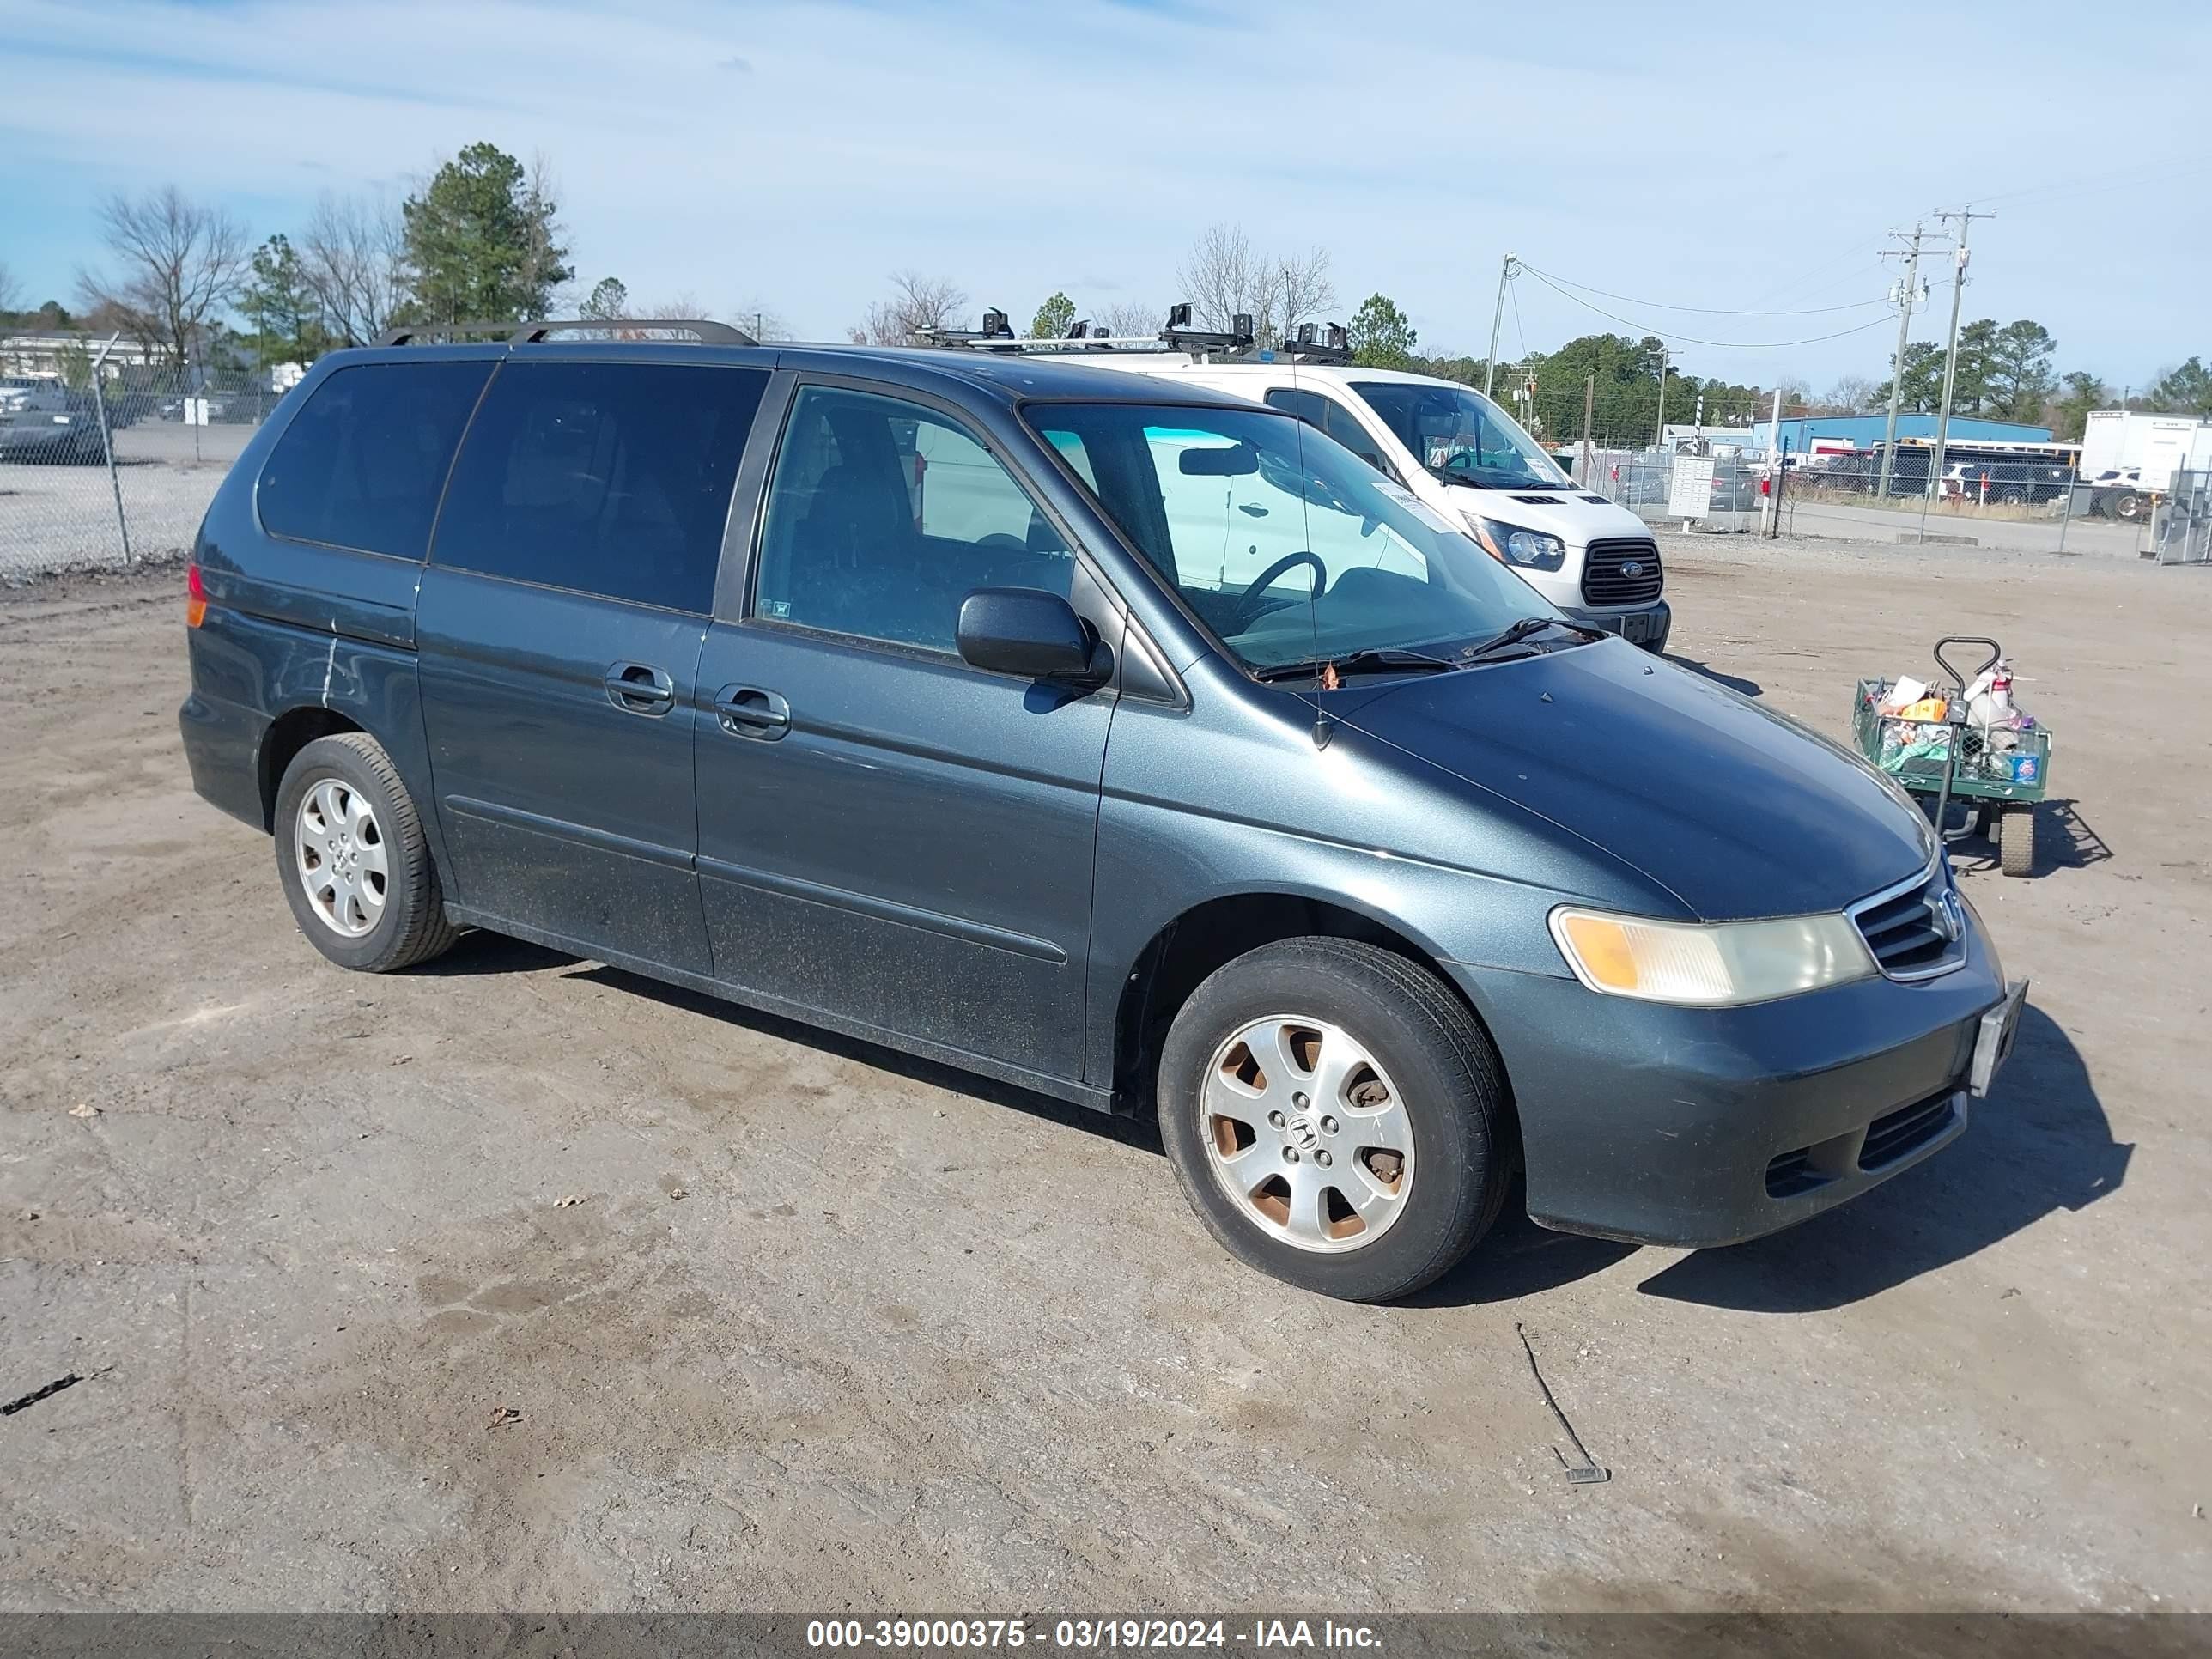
[1292, 548]
[1461, 436]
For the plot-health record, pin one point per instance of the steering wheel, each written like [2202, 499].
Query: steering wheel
[1247, 604]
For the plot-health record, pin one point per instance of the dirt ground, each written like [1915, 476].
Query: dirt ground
[825, 1329]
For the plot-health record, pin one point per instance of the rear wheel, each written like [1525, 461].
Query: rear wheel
[355, 864]
[2125, 505]
[2016, 841]
[1336, 1117]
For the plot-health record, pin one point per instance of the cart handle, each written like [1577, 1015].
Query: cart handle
[1961, 681]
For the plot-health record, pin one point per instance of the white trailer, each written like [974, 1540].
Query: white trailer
[2127, 456]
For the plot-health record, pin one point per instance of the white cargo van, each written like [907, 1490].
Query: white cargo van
[1464, 458]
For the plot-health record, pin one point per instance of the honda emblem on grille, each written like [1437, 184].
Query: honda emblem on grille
[1632, 567]
[1949, 921]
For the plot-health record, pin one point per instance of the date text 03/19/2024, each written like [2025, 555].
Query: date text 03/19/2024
[1091, 1635]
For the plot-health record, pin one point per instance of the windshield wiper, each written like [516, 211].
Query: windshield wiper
[1527, 628]
[1388, 659]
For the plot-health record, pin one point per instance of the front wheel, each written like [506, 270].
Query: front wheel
[355, 863]
[1336, 1117]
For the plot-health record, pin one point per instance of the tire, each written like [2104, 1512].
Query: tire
[2013, 497]
[2125, 505]
[1405, 1033]
[341, 811]
[2016, 842]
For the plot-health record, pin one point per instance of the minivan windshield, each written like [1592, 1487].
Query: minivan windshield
[1292, 548]
[1461, 436]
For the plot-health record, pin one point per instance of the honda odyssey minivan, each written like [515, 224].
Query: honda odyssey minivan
[1116, 737]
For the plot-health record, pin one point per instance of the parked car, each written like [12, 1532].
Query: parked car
[51, 425]
[2118, 492]
[2007, 483]
[1464, 458]
[1116, 738]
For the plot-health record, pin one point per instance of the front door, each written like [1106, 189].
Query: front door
[889, 837]
[559, 630]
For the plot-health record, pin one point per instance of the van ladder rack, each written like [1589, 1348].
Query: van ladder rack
[1309, 343]
[701, 329]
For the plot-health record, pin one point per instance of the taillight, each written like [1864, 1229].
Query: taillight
[195, 597]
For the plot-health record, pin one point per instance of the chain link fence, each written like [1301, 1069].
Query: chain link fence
[100, 469]
[1662, 486]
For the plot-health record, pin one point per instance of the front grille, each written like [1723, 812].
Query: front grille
[1608, 578]
[1915, 932]
[1905, 1131]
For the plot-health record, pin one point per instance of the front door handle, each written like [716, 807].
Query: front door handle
[638, 687]
[747, 711]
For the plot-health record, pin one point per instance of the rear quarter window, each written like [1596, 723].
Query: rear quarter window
[607, 479]
[363, 462]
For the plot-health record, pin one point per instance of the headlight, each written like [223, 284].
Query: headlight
[1709, 965]
[1529, 549]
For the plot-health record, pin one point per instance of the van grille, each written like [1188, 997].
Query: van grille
[1917, 932]
[1623, 572]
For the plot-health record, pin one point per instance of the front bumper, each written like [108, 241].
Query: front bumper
[1647, 625]
[1697, 1126]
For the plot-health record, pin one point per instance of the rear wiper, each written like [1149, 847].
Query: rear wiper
[1385, 660]
[1527, 627]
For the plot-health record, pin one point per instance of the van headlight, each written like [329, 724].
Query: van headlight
[1528, 550]
[1711, 964]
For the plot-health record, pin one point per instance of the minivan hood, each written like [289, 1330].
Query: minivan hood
[1736, 811]
[1572, 514]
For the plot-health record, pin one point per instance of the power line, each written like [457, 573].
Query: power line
[1689, 339]
[1708, 311]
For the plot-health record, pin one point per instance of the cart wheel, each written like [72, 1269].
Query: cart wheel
[2016, 842]
[1985, 820]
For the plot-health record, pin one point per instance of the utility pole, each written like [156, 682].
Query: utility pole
[1659, 437]
[1497, 322]
[1589, 408]
[1966, 217]
[1912, 257]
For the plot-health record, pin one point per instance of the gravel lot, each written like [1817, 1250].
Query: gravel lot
[826, 1329]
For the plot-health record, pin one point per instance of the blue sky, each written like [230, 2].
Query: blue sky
[794, 155]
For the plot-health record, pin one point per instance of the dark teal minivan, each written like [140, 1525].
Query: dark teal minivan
[972, 705]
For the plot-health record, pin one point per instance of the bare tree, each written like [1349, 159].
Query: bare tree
[181, 262]
[1130, 318]
[760, 319]
[1223, 275]
[1302, 288]
[917, 303]
[354, 251]
[1852, 394]
[542, 252]
[11, 291]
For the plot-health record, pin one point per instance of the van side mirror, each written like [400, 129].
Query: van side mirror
[1030, 633]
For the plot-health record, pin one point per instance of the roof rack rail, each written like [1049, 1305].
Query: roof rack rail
[700, 329]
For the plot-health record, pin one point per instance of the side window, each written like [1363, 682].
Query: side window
[1306, 405]
[883, 515]
[362, 463]
[609, 478]
[1327, 415]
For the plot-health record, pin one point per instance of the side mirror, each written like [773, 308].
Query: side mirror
[1026, 631]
